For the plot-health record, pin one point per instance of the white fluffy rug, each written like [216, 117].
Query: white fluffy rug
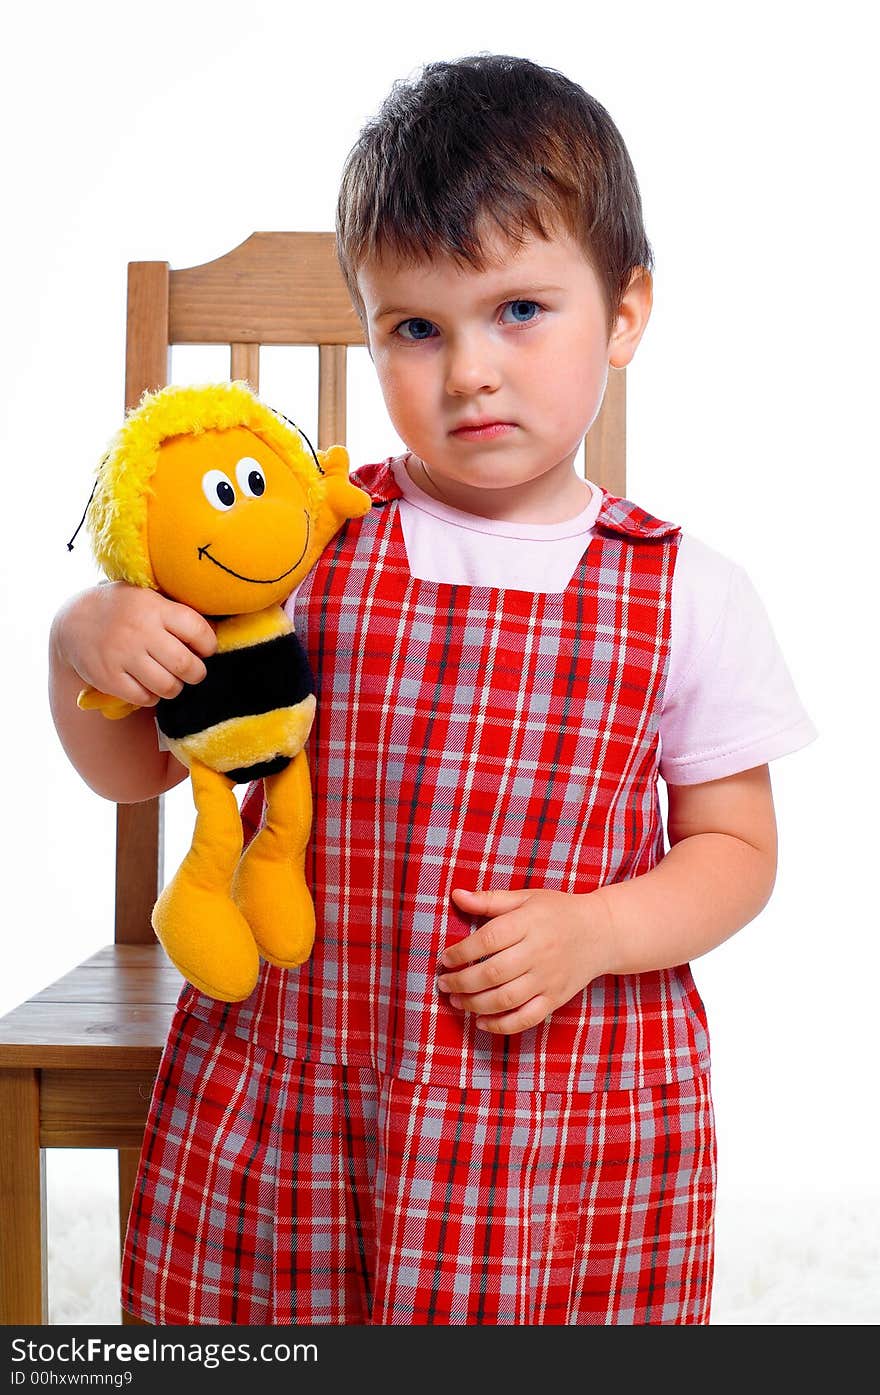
[778, 1261]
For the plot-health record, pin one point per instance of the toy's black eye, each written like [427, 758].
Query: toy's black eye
[218, 490]
[251, 480]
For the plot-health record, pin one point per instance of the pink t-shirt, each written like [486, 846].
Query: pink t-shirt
[729, 702]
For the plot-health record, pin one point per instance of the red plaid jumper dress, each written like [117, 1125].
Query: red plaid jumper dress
[346, 1147]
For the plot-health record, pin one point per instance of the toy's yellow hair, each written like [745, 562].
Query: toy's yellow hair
[117, 514]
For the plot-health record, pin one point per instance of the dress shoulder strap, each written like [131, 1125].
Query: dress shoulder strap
[378, 480]
[620, 515]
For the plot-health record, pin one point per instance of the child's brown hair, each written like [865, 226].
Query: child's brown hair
[490, 136]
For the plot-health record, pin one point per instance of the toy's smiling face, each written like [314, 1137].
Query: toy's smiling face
[228, 524]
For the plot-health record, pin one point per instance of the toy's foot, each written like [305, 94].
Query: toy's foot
[273, 897]
[207, 938]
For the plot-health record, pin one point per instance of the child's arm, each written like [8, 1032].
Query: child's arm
[542, 947]
[136, 645]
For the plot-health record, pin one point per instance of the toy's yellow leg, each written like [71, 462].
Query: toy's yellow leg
[203, 932]
[270, 886]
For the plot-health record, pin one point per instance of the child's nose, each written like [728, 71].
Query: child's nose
[471, 366]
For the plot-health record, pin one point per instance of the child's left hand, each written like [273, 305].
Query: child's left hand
[538, 948]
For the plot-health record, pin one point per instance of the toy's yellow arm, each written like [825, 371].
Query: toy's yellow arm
[343, 500]
[90, 700]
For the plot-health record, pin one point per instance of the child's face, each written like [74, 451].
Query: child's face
[524, 342]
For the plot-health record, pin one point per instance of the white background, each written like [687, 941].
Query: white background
[173, 131]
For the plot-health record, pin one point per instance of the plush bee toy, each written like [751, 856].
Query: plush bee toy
[213, 499]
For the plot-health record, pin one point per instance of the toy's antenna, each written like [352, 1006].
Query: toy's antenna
[83, 519]
[299, 431]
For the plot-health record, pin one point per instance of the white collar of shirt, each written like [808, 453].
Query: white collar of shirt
[445, 544]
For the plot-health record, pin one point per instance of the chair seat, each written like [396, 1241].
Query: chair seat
[114, 1009]
[96, 1037]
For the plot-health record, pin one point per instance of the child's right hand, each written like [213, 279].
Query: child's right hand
[132, 643]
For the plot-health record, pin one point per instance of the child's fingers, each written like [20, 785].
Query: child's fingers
[499, 969]
[190, 627]
[495, 935]
[155, 679]
[177, 659]
[129, 689]
[507, 998]
[509, 1023]
[491, 903]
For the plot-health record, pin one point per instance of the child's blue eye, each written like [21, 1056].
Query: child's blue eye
[419, 330]
[519, 305]
[420, 325]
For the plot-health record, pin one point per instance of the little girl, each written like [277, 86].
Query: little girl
[486, 1097]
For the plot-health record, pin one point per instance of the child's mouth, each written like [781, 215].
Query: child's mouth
[484, 433]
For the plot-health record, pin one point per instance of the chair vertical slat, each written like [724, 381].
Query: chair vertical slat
[146, 340]
[139, 826]
[138, 870]
[605, 453]
[331, 395]
[245, 363]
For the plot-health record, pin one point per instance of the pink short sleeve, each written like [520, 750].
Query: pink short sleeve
[730, 701]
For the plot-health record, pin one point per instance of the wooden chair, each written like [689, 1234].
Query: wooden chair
[78, 1060]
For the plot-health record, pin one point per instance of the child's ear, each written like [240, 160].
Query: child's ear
[632, 318]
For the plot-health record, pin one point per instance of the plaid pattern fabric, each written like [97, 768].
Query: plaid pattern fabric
[280, 1191]
[483, 738]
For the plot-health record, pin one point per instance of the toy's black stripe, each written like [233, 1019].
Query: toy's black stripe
[239, 683]
[245, 773]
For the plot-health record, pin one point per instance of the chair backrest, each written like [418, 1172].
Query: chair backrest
[275, 288]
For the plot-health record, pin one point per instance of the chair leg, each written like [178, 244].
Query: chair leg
[23, 1251]
[128, 1165]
